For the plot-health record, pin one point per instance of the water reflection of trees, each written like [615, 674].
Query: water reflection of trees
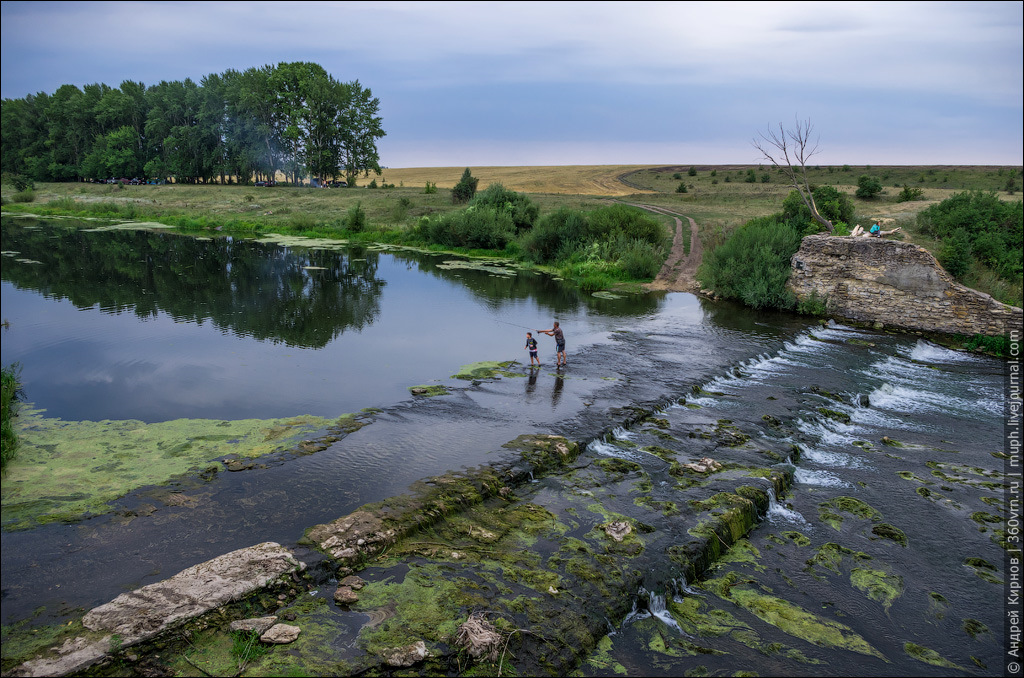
[242, 287]
[557, 297]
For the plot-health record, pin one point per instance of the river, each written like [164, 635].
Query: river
[153, 326]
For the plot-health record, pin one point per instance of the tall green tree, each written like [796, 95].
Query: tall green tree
[360, 127]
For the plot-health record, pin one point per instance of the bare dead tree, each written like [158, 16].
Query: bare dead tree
[789, 150]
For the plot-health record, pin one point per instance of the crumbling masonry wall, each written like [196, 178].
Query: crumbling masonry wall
[898, 284]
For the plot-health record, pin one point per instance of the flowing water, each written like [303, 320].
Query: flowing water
[156, 326]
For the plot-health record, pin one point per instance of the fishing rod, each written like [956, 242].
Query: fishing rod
[515, 325]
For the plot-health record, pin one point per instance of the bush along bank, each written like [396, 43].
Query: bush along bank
[594, 249]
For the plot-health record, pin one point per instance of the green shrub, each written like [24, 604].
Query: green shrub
[484, 228]
[355, 220]
[813, 305]
[464, 191]
[868, 187]
[19, 181]
[753, 265]
[908, 194]
[556, 236]
[608, 223]
[955, 255]
[28, 195]
[692, 172]
[681, 188]
[832, 204]
[638, 260]
[518, 206]
[984, 227]
[430, 188]
[999, 345]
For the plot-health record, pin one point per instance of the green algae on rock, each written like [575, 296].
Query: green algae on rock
[879, 586]
[429, 391]
[70, 469]
[929, 656]
[887, 531]
[828, 511]
[792, 619]
[487, 369]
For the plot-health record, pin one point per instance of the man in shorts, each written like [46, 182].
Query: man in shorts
[556, 332]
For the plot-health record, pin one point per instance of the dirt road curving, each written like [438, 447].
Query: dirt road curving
[678, 274]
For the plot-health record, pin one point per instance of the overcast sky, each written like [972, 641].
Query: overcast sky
[551, 83]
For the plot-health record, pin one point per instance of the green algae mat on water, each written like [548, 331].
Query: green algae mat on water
[67, 470]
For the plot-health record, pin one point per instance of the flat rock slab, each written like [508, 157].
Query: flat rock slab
[281, 634]
[142, 614]
[258, 624]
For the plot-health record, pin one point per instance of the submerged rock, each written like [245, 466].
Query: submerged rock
[345, 595]
[704, 465]
[618, 530]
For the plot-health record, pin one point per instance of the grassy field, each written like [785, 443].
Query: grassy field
[719, 197]
[590, 180]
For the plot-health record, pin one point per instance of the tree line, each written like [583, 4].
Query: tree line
[293, 118]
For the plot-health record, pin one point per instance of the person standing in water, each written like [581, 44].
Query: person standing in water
[531, 346]
[556, 332]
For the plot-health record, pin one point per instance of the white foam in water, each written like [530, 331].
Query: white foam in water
[659, 608]
[818, 477]
[681, 585]
[777, 513]
[829, 432]
[906, 399]
[607, 449]
[928, 352]
[833, 459]
[621, 433]
[656, 607]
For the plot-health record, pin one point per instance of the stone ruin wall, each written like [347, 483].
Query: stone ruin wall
[898, 284]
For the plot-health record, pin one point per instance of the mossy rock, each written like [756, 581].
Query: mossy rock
[878, 585]
[428, 390]
[929, 656]
[794, 620]
[984, 569]
[830, 556]
[834, 414]
[798, 538]
[828, 511]
[544, 452]
[887, 531]
[974, 628]
[486, 370]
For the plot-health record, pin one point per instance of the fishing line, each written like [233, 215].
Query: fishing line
[514, 325]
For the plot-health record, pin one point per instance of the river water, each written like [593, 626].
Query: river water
[156, 326]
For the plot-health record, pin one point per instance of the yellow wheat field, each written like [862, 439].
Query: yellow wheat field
[599, 180]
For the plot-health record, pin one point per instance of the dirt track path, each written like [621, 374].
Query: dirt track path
[679, 271]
